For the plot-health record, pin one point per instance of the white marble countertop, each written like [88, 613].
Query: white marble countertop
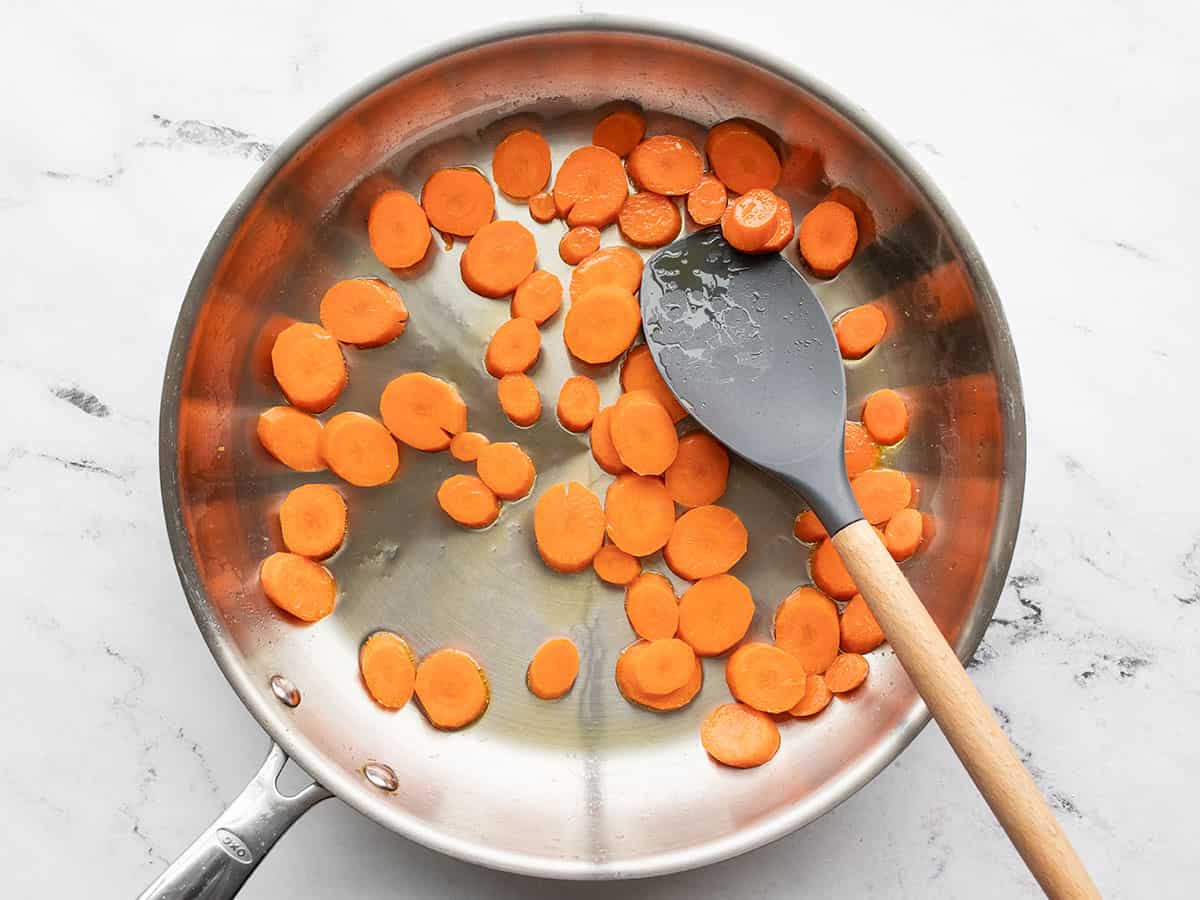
[1064, 134]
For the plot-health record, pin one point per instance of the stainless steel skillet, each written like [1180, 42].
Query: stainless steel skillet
[588, 787]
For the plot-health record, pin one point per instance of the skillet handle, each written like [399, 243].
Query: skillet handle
[968, 723]
[218, 862]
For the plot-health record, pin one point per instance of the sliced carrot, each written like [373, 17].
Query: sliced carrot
[785, 230]
[364, 312]
[808, 528]
[538, 297]
[422, 411]
[292, 437]
[639, 515]
[602, 324]
[299, 586]
[603, 450]
[359, 449]
[700, 472]
[521, 164]
[714, 614]
[741, 157]
[519, 398]
[506, 469]
[498, 258]
[541, 207]
[468, 501]
[860, 632]
[308, 366]
[614, 565]
[590, 187]
[553, 669]
[739, 736]
[666, 164]
[652, 607]
[609, 265]
[752, 220]
[706, 541]
[643, 433]
[707, 201]
[765, 677]
[620, 131]
[816, 697]
[828, 236]
[514, 348]
[664, 666]
[902, 534]
[627, 683]
[649, 220]
[886, 417]
[859, 330]
[458, 201]
[578, 403]
[578, 243]
[806, 626]
[389, 669]
[881, 493]
[465, 445]
[568, 525]
[863, 217]
[312, 519]
[398, 229]
[862, 453]
[846, 673]
[638, 373]
[829, 573]
[451, 688]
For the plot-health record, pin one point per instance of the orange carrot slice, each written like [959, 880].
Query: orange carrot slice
[468, 501]
[742, 158]
[498, 258]
[514, 348]
[846, 673]
[816, 697]
[398, 229]
[828, 236]
[806, 626]
[714, 614]
[538, 297]
[614, 565]
[862, 453]
[618, 266]
[620, 131]
[292, 437]
[643, 433]
[639, 514]
[860, 632]
[553, 669]
[578, 403]
[568, 525]
[458, 201]
[590, 187]
[389, 669]
[700, 472]
[649, 220]
[808, 528]
[451, 688]
[785, 230]
[829, 573]
[628, 685]
[465, 445]
[359, 449]
[602, 324]
[312, 519]
[364, 312]
[752, 220]
[739, 736]
[765, 677]
[519, 398]
[666, 164]
[308, 366]
[664, 666]
[603, 450]
[521, 164]
[707, 201]
[298, 586]
[881, 493]
[578, 243]
[902, 534]
[506, 469]
[422, 411]
[652, 607]
[541, 207]
[886, 417]
[859, 330]
[638, 373]
[707, 540]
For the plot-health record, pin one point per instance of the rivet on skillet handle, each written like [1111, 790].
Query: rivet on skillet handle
[218, 862]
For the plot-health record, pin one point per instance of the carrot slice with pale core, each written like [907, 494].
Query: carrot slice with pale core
[649, 220]
[498, 258]
[828, 236]
[846, 673]
[578, 403]
[364, 312]
[714, 614]
[292, 437]
[881, 493]
[614, 565]
[521, 164]
[860, 632]
[422, 411]
[903, 532]
[666, 164]
[752, 220]
[664, 666]
[829, 573]
[359, 449]
[538, 297]
[398, 229]
[578, 243]
[808, 528]
[590, 187]
[568, 524]
[541, 207]
[506, 469]
[465, 445]
[298, 586]
[643, 433]
[742, 158]
[628, 685]
[638, 373]
[553, 669]
[707, 201]
[600, 325]
[618, 265]
[389, 669]
[519, 398]
[309, 366]
[312, 519]
[706, 541]
[700, 472]
[652, 607]
[639, 514]
[451, 688]
[739, 736]
[765, 677]
[859, 330]
[885, 417]
[806, 626]
[513, 348]
[458, 201]
[620, 131]
[468, 501]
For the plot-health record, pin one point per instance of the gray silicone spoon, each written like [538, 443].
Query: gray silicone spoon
[746, 346]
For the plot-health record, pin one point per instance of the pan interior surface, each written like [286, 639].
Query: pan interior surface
[588, 786]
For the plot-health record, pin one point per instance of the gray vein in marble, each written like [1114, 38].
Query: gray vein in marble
[1191, 567]
[209, 134]
[939, 849]
[85, 465]
[1131, 249]
[210, 778]
[1029, 624]
[81, 399]
[107, 179]
[1057, 798]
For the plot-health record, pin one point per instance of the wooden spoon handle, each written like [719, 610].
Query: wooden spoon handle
[965, 719]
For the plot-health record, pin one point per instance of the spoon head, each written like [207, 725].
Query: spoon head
[748, 350]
